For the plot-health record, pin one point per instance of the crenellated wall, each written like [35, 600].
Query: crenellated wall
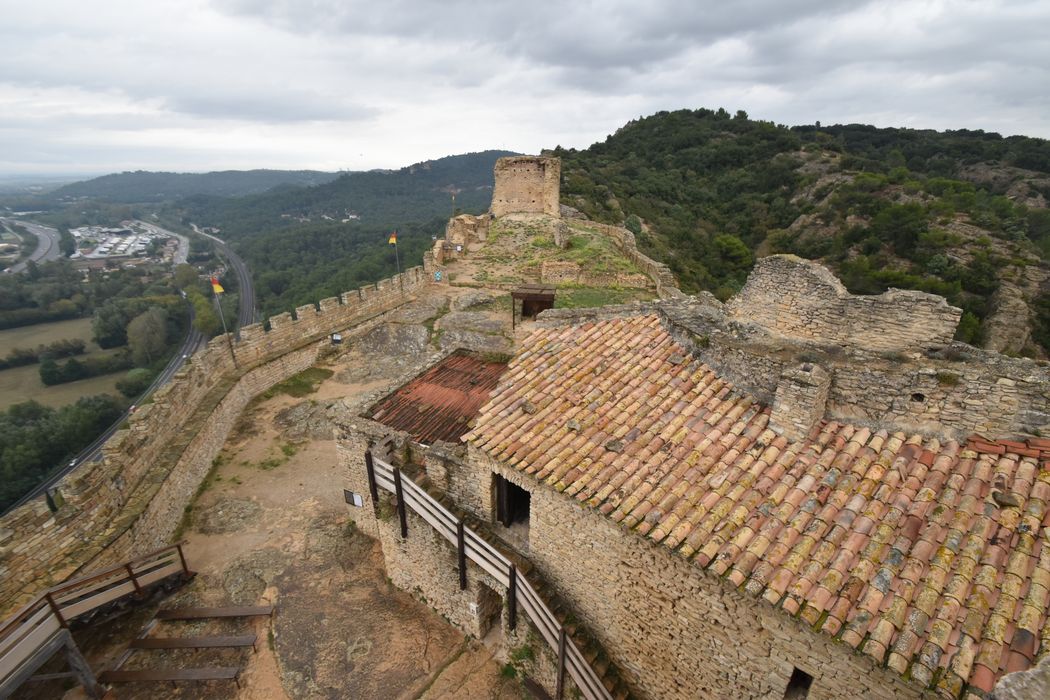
[132, 500]
[527, 185]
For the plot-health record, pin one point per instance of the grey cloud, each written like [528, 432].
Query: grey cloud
[284, 106]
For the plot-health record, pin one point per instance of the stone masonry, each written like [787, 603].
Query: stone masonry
[132, 500]
[527, 185]
[800, 299]
[800, 400]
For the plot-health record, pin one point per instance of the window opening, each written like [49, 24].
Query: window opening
[512, 502]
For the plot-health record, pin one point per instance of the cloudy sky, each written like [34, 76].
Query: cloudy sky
[195, 85]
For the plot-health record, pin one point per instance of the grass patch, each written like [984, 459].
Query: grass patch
[947, 379]
[289, 449]
[302, 384]
[589, 297]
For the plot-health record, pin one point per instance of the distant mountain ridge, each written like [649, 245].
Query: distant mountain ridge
[417, 192]
[144, 186]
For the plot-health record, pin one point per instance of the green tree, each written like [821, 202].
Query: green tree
[185, 276]
[148, 335]
[205, 319]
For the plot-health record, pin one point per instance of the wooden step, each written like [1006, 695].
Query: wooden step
[224, 673]
[201, 613]
[246, 640]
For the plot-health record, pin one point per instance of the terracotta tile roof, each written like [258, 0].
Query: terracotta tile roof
[931, 557]
[438, 404]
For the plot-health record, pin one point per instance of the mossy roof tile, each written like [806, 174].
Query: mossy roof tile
[913, 544]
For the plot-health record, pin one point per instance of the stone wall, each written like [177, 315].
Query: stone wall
[674, 629]
[527, 185]
[152, 469]
[466, 229]
[800, 400]
[660, 274]
[798, 298]
[426, 564]
[554, 272]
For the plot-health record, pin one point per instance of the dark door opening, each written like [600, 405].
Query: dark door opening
[798, 685]
[512, 502]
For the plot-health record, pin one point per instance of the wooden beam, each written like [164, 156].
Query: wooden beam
[371, 469]
[560, 692]
[400, 495]
[462, 556]
[512, 598]
[54, 608]
[62, 639]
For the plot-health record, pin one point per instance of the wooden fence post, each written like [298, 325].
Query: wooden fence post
[462, 556]
[134, 581]
[182, 558]
[400, 503]
[54, 609]
[372, 489]
[561, 664]
[512, 598]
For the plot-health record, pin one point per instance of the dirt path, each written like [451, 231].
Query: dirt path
[270, 526]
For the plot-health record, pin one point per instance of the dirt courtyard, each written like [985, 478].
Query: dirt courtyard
[270, 526]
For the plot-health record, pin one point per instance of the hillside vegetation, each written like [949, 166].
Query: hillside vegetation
[145, 186]
[961, 213]
[304, 244]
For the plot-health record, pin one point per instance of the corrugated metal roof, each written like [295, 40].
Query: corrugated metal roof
[438, 404]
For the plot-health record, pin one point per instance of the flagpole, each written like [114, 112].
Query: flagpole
[222, 317]
[397, 260]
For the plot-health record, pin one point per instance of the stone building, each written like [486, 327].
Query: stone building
[738, 503]
[527, 185]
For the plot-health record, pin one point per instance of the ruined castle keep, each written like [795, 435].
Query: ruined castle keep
[527, 185]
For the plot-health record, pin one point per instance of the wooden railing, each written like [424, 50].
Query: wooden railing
[32, 626]
[472, 547]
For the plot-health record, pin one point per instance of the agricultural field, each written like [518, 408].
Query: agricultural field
[23, 383]
[28, 337]
[19, 384]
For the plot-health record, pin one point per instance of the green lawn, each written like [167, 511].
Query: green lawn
[586, 297]
[23, 383]
[29, 337]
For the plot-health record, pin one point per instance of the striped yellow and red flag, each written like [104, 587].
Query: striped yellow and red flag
[393, 238]
[215, 286]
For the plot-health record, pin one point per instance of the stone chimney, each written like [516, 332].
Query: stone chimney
[801, 397]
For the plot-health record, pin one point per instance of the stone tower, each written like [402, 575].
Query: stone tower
[527, 185]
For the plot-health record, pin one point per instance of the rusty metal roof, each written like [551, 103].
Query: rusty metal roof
[438, 404]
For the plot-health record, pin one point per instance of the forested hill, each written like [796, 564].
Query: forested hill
[304, 244]
[382, 197]
[144, 186]
[959, 213]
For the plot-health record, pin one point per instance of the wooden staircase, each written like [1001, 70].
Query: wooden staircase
[144, 642]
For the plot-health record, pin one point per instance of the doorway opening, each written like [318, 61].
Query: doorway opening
[798, 685]
[489, 610]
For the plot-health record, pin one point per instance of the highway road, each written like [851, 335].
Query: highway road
[46, 243]
[193, 342]
[246, 315]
